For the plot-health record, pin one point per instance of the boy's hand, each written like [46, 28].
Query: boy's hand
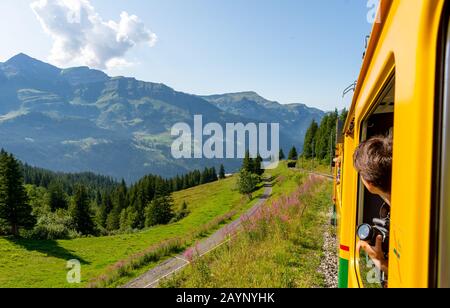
[375, 253]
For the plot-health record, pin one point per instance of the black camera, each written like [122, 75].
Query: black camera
[369, 234]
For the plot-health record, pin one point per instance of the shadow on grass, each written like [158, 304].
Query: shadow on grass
[270, 179]
[267, 183]
[47, 247]
[261, 196]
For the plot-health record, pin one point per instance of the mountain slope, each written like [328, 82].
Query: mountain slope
[209, 204]
[294, 118]
[79, 119]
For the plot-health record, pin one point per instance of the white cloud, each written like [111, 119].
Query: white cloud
[81, 35]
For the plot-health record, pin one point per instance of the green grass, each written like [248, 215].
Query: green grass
[286, 180]
[28, 263]
[321, 166]
[280, 249]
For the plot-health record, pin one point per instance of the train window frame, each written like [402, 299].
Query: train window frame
[340, 139]
[381, 106]
[440, 252]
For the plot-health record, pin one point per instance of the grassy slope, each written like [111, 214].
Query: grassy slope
[42, 263]
[314, 165]
[287, 180]
[278, 254]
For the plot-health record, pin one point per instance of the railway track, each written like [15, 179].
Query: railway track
[325, 175]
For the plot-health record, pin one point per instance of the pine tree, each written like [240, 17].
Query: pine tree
[282, 156]
[128, 219]
[205, 177]
[119, 201]
[159, 211]
[56, 196]
[121, 196]
[343, 115]
[104, 210]
[185, 182]
[214, 176]
[293, 154]
[113, 220]
[222, 174]
[257, 166]
[320, 140]
[247, 164]
[325, 136]
[310, 140]
[98, 197]
[81, 212]
[161, 188]
[139, 204]
[14, 208]
[247, 183]
[123, 220]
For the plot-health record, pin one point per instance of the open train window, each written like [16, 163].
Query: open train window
[372, 207]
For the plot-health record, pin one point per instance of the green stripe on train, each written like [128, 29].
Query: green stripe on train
[343, 273]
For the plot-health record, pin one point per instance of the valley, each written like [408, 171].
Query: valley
[107, 193]
[42, 263]
[113, 261]
[79, 119]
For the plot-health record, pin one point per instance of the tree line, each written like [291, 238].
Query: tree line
[68, 181]
[38, 203]
[320, 139]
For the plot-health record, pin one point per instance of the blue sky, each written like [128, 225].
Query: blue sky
[291, 51]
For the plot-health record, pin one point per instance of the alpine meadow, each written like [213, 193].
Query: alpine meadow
[191, 148]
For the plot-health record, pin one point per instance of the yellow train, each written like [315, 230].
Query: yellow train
[403, 87]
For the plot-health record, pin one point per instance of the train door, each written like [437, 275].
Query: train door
[379, 122]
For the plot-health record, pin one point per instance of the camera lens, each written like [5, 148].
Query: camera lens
[365, 232]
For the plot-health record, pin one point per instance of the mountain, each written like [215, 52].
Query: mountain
[80, 119]
[294, 119]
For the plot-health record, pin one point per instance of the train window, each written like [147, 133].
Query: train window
[373, 211]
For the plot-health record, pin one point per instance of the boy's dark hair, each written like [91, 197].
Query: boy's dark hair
[373, 160]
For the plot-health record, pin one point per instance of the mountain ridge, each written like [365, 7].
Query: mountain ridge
[79, 119]
[293, 118]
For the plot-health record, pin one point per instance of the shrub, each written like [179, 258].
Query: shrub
[3, 228]
[292, 164]
[52, 226]
[182, 213]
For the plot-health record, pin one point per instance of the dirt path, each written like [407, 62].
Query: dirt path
[152, 278]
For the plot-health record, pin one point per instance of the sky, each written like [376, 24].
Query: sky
[290, 51]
